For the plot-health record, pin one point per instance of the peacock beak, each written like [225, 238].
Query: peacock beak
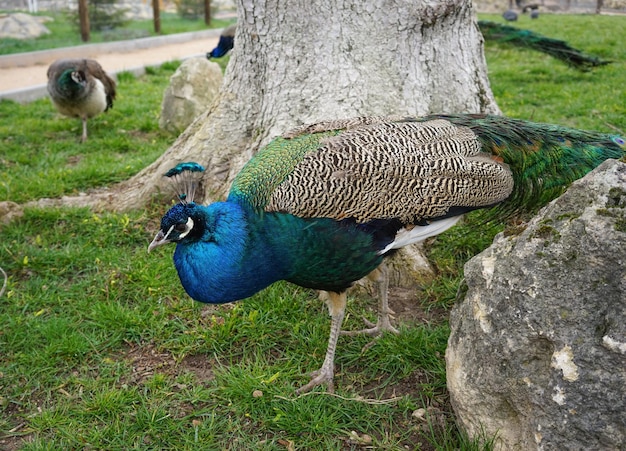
[159, 239]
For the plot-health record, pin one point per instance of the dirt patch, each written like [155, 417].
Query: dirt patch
[199, 365]
[146, 361]
[409, 309]
[13, 443]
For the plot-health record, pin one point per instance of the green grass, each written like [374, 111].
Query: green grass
[100, 348]
[42, 155]
[531, 85]
[64, 34]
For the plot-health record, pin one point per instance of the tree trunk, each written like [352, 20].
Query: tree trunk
[83, 17]
[299, 62]
[156, 16]
[207, 12]
[599, 5]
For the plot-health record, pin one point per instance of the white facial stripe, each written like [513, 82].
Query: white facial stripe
[168, 233]
[188, 226]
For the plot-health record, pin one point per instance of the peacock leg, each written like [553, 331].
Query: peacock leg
[84, 137]
[381, 276]
[337, 309]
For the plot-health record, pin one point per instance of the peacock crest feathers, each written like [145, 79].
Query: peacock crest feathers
[185, 180]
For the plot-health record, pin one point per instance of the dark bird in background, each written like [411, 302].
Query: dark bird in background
[493, 31]
[80, 88]
[324, 204]
[533, 8]
[509, 15]
[558, 49]
[225, 43]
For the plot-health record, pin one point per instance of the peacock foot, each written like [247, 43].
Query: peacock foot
[375, 330]
[319, 377]
[383, 325]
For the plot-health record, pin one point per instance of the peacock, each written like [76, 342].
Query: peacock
[556, 48]
[225, 43]
[80, 88]
[324, 204]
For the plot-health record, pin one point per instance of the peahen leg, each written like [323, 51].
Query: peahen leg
[337, 309]
[381, 276]
[84, 137]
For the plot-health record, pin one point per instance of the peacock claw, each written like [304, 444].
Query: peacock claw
[319, 377]
[383, 325]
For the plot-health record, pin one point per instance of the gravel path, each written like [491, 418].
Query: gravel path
[17, 78]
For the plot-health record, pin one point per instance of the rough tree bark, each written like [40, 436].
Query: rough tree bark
[302, 61]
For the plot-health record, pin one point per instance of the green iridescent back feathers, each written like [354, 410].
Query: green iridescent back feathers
[261, 175]
[543, 158]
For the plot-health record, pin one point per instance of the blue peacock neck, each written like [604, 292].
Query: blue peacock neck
[231, 259]
[234, 252]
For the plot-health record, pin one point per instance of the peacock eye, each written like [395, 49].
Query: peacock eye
[180, 228]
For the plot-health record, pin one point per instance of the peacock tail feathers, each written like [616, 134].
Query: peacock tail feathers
[544, 158]
[556, 48]
[185, 178]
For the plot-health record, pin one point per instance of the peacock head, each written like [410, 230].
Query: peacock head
[178, 225]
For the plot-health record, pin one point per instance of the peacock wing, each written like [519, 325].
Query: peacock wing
[376, 168]
[95, 70]
[259, 178]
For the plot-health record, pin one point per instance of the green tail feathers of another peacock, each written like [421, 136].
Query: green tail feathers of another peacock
[556, 48]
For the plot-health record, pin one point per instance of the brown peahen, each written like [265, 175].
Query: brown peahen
[80, 88]
[323, 205]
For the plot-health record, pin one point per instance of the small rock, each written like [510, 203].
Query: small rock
[257, 394]
[419, 413]
[193, 88]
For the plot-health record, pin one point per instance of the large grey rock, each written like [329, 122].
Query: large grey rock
[537, 351]
[192, 89]
[22, 26]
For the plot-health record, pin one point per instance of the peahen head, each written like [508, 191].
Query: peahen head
[78, 76]
[72, 82]
[73, 77]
